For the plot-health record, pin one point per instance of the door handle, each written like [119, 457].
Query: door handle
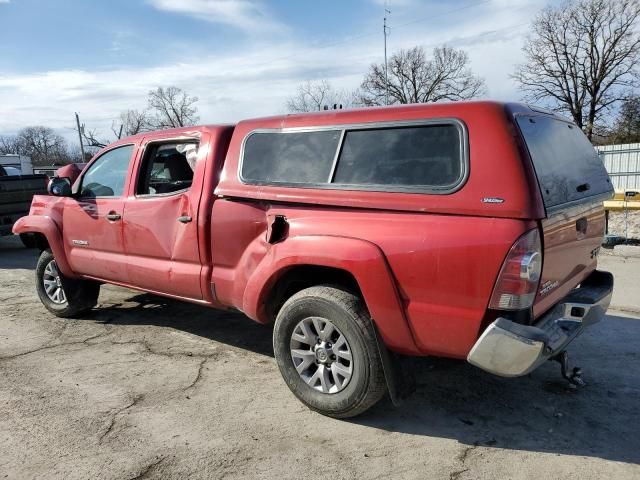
[184, 219]
[581, 225]
[113, 216]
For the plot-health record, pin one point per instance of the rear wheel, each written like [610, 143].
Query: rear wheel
[62, 296]
[326, 350]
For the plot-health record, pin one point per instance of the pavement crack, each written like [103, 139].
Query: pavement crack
[457, 473]
[462, 458]
[151, 351]
[146, 470]
[44, 347]
[114, 417]
[198, 374]
[49, 345]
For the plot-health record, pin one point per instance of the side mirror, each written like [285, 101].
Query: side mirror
[59, 187]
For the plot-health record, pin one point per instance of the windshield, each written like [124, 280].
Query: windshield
[566, 164]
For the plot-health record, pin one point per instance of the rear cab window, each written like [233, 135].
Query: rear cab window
[167, 168]
[568, 167]
[430, 158]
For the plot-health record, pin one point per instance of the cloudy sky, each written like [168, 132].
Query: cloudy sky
[242, 58]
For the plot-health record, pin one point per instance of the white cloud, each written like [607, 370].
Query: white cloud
[248, 15]
[255, 80]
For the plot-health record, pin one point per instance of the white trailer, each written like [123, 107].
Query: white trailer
[21, 162]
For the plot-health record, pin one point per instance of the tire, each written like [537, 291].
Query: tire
[349, 317]
[77, 297]
[28, 240]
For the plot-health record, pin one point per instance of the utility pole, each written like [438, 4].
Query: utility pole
[80, 137]
[385, 30]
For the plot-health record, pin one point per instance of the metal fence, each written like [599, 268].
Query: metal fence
[623, 212]
[623, 164]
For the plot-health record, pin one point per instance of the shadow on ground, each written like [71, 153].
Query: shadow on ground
[537, 412]
[228, 327]
[455, 400]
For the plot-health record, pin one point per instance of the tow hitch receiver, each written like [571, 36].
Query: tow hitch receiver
[575, 378]
[511, 349]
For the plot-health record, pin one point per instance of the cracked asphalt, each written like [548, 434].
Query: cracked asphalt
[144, 387]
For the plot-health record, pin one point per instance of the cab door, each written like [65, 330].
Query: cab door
[161, 219]
[92, 220]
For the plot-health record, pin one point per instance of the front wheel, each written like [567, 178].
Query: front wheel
[327, 352]
[64, 297]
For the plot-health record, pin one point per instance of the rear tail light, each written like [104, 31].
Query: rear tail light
[517, 283]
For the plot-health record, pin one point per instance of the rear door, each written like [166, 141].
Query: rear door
[573, 183]
[160, 221]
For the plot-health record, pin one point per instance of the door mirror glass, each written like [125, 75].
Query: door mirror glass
[59, 187]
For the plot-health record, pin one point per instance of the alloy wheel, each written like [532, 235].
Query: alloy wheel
[321, 355]
[53, 283]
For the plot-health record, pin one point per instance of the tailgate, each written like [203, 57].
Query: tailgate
[16, 192]
[573, 184]
[571, 240]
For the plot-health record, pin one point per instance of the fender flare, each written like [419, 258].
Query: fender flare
[46, 226]
[363, 259]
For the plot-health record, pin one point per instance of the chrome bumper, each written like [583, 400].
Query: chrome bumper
[509, 349]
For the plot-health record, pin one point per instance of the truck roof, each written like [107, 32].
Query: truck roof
[351, 115]
[395, 112]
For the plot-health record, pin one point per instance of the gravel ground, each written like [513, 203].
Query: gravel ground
[628, 225]
[143, 387]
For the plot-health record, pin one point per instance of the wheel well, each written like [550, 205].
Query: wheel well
[40, 240]
[305, 276]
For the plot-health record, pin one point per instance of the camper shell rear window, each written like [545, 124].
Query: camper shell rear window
[567, 165]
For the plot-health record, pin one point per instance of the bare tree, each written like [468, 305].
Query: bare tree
[90, 138]
[312, 96]
[582, 58]
[131, 122]
[172, 107]
[42, 144]
[10, 145]
[626, 128]
[414, 78]
[169, 107]
[75, 154]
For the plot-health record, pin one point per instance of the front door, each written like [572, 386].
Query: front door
[92, 221]
[160, 221]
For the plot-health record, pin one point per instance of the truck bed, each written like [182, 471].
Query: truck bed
[16, 193]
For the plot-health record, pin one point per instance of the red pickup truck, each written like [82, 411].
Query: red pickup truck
[462, 230]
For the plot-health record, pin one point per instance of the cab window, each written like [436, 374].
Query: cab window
[106, 176]
[167, 168]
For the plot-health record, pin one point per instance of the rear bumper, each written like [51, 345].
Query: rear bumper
[509, 349]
